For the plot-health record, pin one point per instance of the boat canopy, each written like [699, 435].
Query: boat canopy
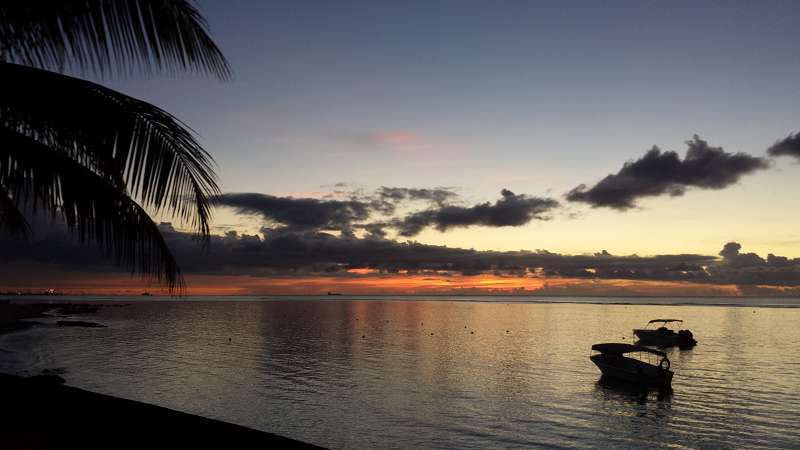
[618, 348]
[665, 320]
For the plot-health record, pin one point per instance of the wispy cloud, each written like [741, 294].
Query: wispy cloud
[395, 140]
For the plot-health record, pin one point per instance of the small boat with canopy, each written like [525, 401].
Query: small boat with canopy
[663, 335]
[633, 364]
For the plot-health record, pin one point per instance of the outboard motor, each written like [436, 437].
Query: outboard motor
[686, 339]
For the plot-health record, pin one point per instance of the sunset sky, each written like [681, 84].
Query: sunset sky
[351, 128]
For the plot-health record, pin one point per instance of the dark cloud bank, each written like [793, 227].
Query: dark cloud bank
[344, 216]
[296, 253]
[664, 173]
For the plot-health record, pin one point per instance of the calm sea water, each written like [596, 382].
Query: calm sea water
[484, 373]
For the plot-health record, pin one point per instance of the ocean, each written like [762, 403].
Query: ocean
[438, 372]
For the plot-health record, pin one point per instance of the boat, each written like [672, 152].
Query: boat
[633, 364]
[334, 293]
[664, 336]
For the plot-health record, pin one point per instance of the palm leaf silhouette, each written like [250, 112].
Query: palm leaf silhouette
[151, 152]
[11, 218]
[109, 37]
[85, 153]
[90, 205]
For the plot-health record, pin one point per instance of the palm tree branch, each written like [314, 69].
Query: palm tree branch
[11, 218]
[132, 143]
[108, 37]
[90, 205]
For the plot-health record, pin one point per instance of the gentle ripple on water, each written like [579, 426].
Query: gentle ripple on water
[436, 374]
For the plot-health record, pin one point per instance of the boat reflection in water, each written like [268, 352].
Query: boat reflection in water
[634, 364]
[630, 392]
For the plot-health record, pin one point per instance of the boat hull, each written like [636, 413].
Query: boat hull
[665, 338]
[656, 337]
[632, 371]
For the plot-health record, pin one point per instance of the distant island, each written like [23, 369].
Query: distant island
[30, 292]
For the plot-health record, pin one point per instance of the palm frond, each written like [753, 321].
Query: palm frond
[109, 37]
[132, 143]
[91, 206]
[11, 218]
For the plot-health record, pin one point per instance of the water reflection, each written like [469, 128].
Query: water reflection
[354, 374]
[613, 389]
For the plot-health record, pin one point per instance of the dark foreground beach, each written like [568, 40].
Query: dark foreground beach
[40, 413]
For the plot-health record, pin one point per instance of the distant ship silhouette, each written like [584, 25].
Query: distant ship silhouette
[334, 293]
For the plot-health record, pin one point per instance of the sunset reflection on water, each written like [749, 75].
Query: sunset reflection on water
[344, 373]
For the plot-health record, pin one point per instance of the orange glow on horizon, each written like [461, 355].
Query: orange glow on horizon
[363, 271]
[368, 282]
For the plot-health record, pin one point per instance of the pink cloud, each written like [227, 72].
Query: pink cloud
[425, 150]
[392, 140]
[395, 137]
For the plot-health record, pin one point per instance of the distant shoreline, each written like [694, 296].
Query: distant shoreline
[10, 296]
[749, 302]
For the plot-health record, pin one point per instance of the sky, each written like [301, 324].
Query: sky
[333, 101]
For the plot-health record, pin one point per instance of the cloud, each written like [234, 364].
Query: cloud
[750, 269]
[732, 257]
[789, 146]
[358, 210]
[385, 139]
[286, 252]
[510, 210]
[439, 196]
[300, 213]
[290, 253]
[386, 199]
[659, 173]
